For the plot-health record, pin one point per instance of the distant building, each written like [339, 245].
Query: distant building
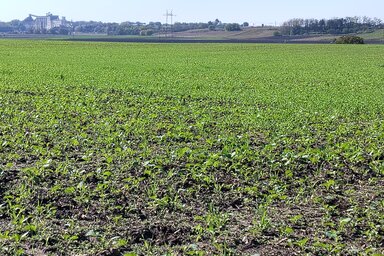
[44, 22]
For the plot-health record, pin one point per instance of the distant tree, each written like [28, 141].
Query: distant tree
[333, 26]
[146, 32]
[155, 26]
[15, 23]
[5, 27]
[349, 40]
[322, 26]
[245, 24]
[112, 28]
[377, 22]
[232, 27]
[59, 31]
[276, 33]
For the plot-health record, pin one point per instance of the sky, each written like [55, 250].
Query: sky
[256, 12]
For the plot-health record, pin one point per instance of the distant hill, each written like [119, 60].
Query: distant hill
[245, 33]
[259, 33]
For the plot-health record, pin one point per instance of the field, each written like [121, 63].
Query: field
[191, 149]
[247, 35]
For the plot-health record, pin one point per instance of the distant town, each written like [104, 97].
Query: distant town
[54, 24]
[44, 23]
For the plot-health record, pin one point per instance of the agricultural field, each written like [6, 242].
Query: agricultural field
[191, 149]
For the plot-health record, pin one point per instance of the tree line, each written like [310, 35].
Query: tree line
[124, 28]
[345, 25]
[295, 26]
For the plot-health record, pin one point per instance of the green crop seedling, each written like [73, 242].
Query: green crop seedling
[191, 149]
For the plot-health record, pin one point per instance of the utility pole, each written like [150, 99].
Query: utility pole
[169, 15]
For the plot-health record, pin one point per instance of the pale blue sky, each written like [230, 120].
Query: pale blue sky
[254, 11]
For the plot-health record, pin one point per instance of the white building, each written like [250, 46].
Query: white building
[44, 22]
